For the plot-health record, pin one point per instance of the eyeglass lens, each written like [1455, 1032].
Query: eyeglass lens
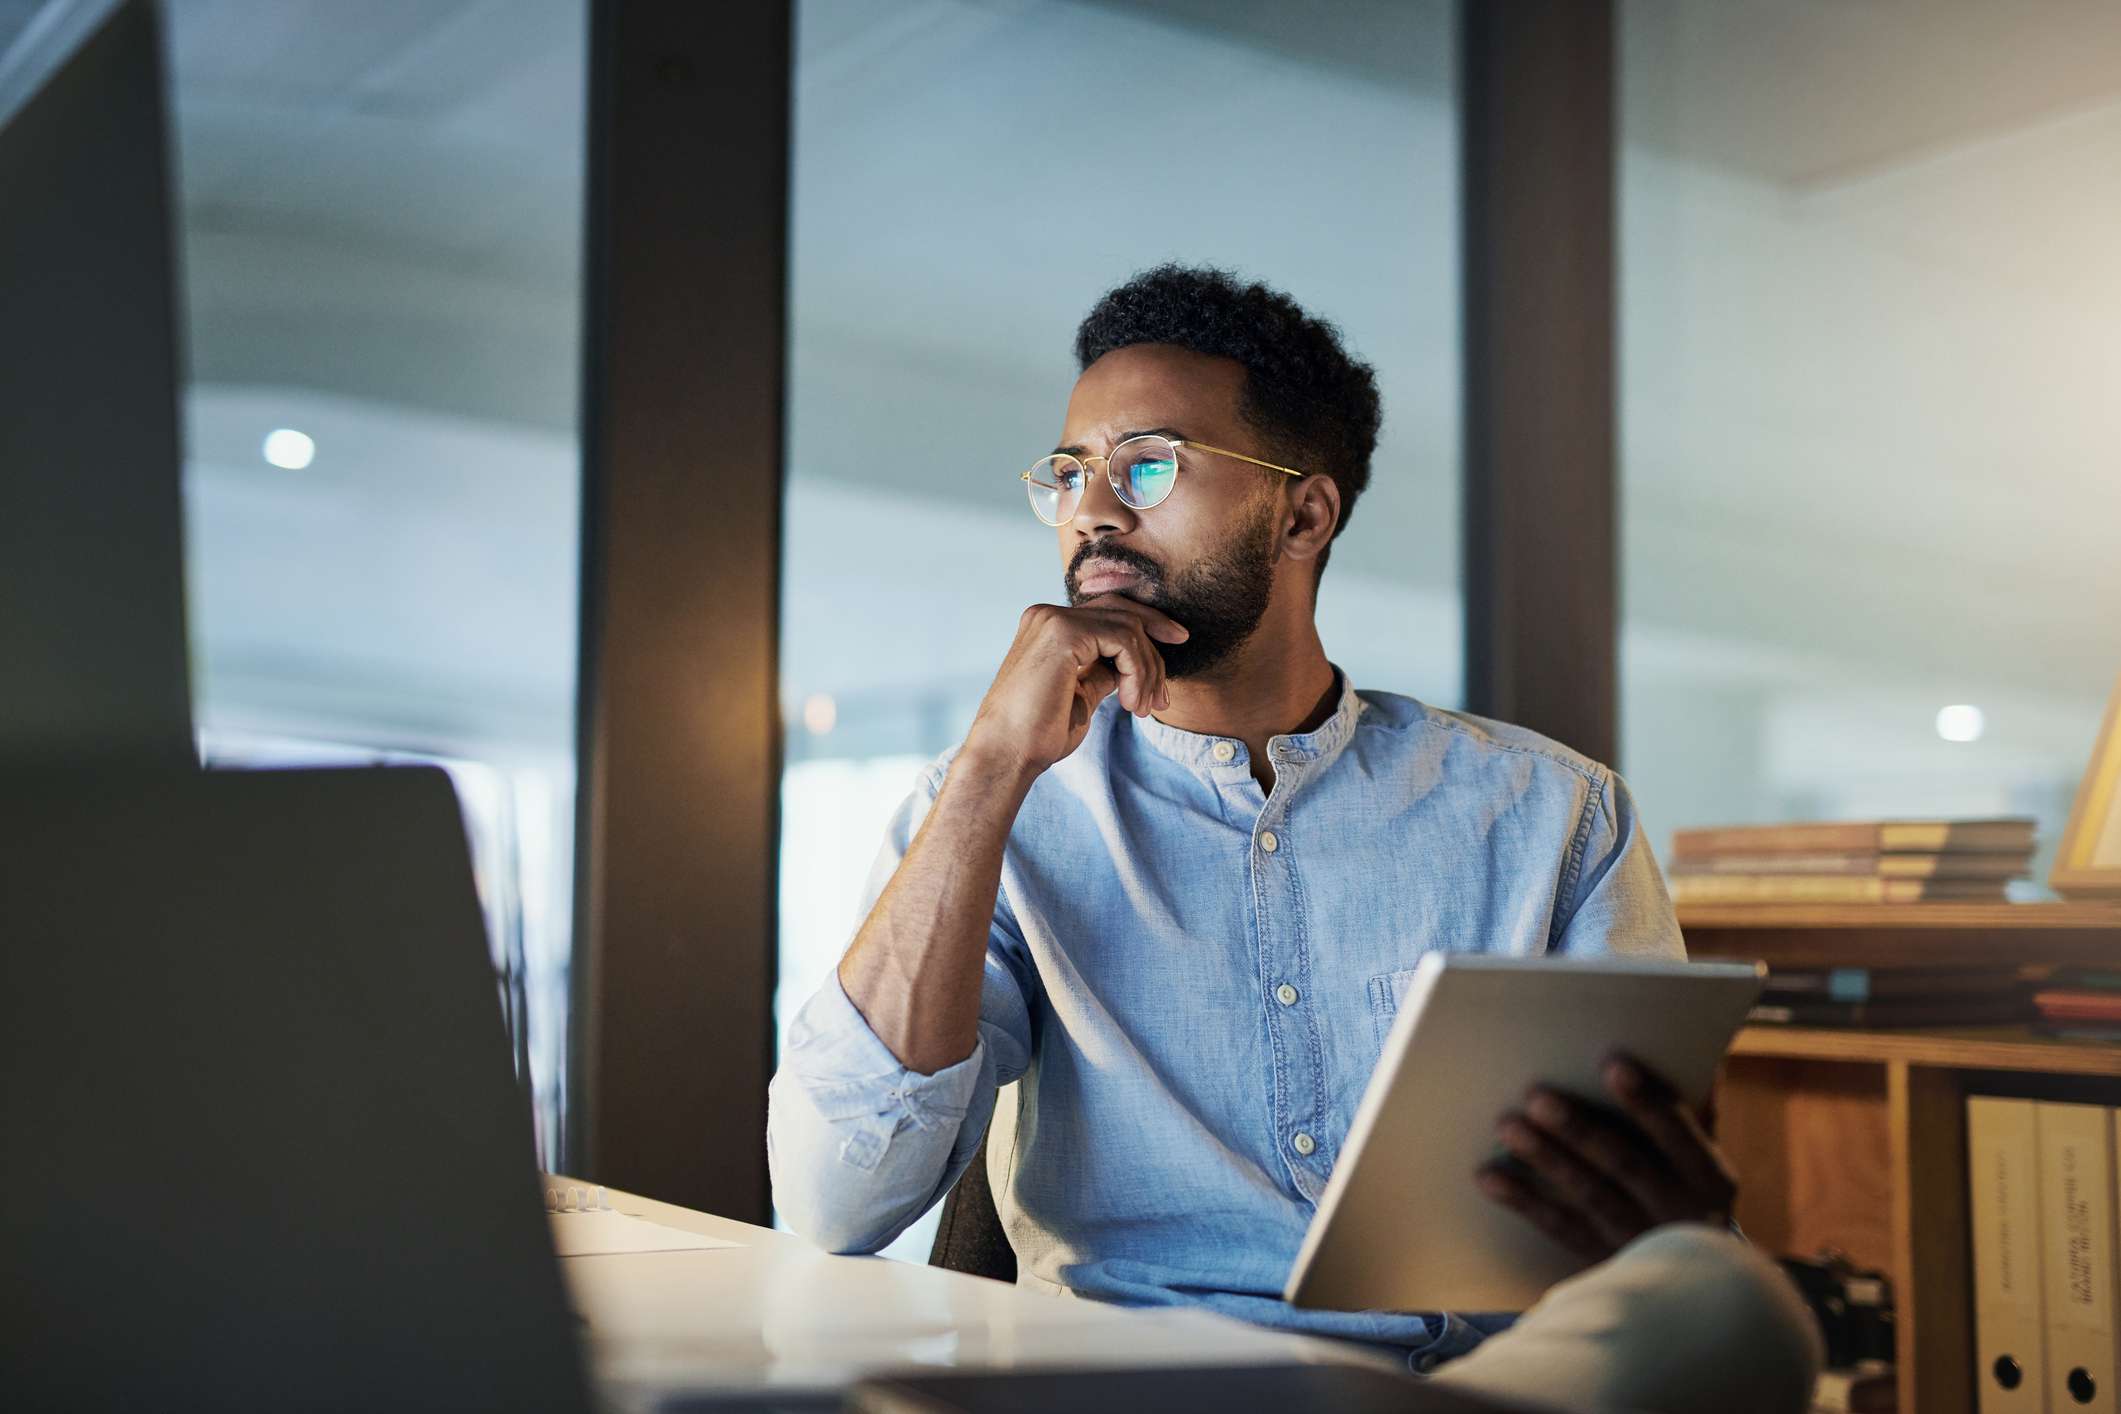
[1142, 472]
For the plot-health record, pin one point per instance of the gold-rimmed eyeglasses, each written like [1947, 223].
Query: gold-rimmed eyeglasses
[1142, 471]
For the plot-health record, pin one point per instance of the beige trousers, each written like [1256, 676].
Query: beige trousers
[1685, 1318]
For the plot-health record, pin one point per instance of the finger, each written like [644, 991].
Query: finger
[1158, 624]
[1144, 664]
[1158, 675]
[1616, 1150]
[1125, 688]
[1140, 666]
[1130, 654]
[1681, 1138]
[1567, 1228]
[1610, 1210]
[1119, 614]
[1098, 682]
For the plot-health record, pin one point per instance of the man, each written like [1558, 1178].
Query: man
[1176, 873]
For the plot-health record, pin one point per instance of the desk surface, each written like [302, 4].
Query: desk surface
[774, 1312]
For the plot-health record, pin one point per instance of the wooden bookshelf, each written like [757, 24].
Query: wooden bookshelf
[2004, 1048]
[1905, 934]
[1857, 1139]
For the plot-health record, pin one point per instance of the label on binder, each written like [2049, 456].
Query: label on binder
[2003, 1191]
[2077, 1225]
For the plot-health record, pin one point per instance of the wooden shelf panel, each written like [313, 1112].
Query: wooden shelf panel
[1931, 1262]
[1957, 917]
[1969, 1048]
[1905, 935]
[1811, 1143]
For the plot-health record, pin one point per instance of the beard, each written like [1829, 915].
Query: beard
[1219, 600]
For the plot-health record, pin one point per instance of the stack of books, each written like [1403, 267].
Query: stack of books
[1896, 996]
[1871, 861]
[2081, 1003]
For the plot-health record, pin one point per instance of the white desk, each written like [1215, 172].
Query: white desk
[775, 1312]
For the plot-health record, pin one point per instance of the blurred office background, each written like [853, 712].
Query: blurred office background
[1868, 437]
[1870, 460]
[381, 238]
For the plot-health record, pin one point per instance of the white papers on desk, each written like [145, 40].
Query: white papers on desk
[601, 1232]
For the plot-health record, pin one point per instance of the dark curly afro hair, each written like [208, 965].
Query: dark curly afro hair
[1314, 403]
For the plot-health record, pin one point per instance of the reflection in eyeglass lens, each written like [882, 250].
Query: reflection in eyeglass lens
[1145, 469]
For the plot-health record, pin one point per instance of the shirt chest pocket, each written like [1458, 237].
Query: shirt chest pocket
[1387, 989]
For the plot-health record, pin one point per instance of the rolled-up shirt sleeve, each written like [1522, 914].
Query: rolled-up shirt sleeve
[858, 1145]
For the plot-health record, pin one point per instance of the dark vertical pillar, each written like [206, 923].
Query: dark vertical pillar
[1541, 583]
[680, 722]
[93, 655]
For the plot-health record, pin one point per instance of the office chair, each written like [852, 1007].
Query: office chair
[970, 1236]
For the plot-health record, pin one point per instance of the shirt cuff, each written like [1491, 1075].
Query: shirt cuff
[848, 1073]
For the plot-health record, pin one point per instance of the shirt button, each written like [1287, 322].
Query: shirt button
[1304, 1144]
[1223, 751]
[1268, 842]
[1285, 994]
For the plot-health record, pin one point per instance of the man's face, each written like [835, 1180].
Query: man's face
[1205, 555]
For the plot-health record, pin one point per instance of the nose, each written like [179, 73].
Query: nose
[1100, 511]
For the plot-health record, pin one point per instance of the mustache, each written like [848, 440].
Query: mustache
[1124, 556]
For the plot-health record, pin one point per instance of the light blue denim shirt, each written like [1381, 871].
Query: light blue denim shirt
[1193, 979]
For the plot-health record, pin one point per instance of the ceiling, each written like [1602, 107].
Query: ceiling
[1813, 93]
[1867, 299]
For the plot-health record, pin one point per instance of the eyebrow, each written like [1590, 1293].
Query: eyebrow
[1172, 432]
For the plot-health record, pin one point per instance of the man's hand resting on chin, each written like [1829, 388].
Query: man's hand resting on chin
[1604, 1176]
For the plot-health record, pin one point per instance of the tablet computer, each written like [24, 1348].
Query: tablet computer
[1402, 1225]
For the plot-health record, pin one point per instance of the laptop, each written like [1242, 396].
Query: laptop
[265, 1146]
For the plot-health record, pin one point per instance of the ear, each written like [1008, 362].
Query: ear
[1311, 518]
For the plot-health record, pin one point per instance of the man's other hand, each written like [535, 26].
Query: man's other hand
[1603, 1176]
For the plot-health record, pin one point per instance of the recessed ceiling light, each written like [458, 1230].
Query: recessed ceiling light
[285, 447]
[820, 713]
[1960, 722]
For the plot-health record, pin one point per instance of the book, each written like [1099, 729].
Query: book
[2068, 1004]
[1863, 984]
[1827, 888]
[1862, 864]
[2078, 1258]
[1860, 836]
[2078, 1031]
[2003, 1202]
[1893, 1012]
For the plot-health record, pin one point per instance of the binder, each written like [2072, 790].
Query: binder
[2077, 1223]
[2004, 1194]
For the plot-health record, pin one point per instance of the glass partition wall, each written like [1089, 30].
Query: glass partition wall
[381, 217]
[1868, 289]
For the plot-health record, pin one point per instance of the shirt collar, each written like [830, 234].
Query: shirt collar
[1312, 748]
